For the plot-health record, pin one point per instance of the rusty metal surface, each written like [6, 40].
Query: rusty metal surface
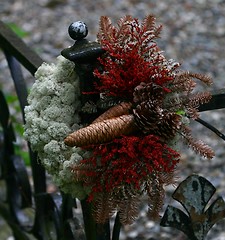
[194, 194]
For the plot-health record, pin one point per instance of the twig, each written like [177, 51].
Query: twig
[209, 126]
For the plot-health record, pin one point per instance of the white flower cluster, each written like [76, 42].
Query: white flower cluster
[51, 115]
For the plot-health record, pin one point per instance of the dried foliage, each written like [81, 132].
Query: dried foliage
[182, 96]
[104, 207]
[132, 56]
[129, 209]
[156, 195]
[129, 142]
[197, 145]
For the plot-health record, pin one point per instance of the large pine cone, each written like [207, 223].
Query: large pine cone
[150, 116]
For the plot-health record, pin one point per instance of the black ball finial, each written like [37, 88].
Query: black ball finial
[78, 30]
[82, 50]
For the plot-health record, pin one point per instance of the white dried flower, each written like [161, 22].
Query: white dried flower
[50, 116]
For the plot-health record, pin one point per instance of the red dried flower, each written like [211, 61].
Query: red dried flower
[131, 56]
[128, 160]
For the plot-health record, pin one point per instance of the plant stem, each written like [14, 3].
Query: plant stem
[103, 231]
[89, 222]
[116, 228]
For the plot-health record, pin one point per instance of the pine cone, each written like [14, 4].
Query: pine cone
[169, 125]
[102, 132]
[144, 92]
[120, 109]
[150, 116]
[147, 114]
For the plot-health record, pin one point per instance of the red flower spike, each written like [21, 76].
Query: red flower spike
[131, 56]
[129, 160]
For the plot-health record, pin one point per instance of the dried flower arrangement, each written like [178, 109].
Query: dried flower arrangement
[132, 143]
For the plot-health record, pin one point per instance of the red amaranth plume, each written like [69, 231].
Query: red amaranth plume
[122, 170]
[131, 57]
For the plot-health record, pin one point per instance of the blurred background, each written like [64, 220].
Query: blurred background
[193, 34]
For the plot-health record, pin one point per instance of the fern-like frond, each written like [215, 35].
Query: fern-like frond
[125, 192]
[148, 23]
[202, 77]
[148, 45]
[192, 112]
[167, 178]
[128, 210]
[156, 193]
[197, 145]
[105, 29]
[192, 102]
[157, 31]
[183, 82]
[123, 24]
[80, 172]
[104, 207]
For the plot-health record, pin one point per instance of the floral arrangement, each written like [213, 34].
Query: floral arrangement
[130, 149]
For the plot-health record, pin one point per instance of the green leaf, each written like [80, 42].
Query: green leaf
[17, 30]
[23, 154]
[180, 112]
[19, 129]
[11, 98]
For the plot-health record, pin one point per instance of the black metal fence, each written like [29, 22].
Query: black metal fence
[53, 217]
[53, 213]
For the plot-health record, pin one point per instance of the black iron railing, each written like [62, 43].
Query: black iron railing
[53, 217]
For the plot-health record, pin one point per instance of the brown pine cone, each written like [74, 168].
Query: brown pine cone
[102, 132]
[150, 115]
[151, 118]
[144, 92]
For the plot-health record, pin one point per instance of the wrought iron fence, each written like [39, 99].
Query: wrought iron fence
[53, 213]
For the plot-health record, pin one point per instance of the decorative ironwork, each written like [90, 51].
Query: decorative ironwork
[217, 101]
[14, 46]
[53, 213]
[194, 194]
[84, 54]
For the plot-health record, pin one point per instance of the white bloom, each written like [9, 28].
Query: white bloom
[51, 115]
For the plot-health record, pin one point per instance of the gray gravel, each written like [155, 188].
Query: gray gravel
[193, 34]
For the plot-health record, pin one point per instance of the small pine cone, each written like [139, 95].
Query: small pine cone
[147, 114]
[101, 132]
[120, 109]
[151, 118]
[169, 125]
[144, 92]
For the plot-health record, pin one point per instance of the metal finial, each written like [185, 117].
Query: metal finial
[78, 30]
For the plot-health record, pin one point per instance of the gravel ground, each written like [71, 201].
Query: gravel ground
[193, 34]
